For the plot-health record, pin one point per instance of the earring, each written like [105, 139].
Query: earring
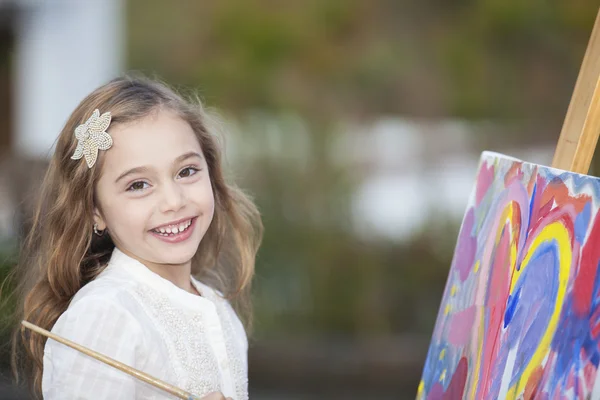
[97, 232]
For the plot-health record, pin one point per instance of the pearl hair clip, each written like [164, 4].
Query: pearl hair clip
[92, 136]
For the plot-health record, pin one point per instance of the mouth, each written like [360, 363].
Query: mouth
[174, 229]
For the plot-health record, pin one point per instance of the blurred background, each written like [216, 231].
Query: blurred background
[356, 124]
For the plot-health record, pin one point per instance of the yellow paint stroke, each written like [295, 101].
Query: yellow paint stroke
[447, 309]
[557, 232]
[480, 348]
[442, 354]
[443, 375]
[476, 267]
[421, 389]
[453, 290]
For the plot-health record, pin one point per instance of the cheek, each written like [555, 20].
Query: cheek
[202, 195]
[125, 216]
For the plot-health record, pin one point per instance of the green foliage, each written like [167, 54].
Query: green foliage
[8, 260]
[331, 58]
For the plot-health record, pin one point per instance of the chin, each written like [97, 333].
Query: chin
[181, 257]
[173, 253]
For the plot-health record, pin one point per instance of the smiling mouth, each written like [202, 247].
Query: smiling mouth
[174, 229]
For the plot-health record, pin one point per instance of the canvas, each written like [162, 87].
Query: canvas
[520, 314]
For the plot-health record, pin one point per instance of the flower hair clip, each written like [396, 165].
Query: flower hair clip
[92, 136]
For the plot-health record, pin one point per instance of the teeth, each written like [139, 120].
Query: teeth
[174, 230]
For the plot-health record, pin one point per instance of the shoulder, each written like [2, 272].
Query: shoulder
[101, 318]
[101, 306]
[102, 324]
[113, 289]
[95, 315]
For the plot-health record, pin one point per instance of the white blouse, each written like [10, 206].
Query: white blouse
[137, 317]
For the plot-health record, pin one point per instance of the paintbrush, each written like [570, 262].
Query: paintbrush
[182, 394]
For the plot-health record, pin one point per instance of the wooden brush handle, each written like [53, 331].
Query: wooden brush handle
[182, 394]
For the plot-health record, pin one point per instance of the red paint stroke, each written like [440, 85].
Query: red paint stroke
[589, 372]
[484, 181]
[595, 323]
[533, 384]
[456, 388]
[515, 173]
[516, 222]
[532, 181]
[496, 305]
[586, 275]
[559, 192]
[562, 216]
[538, 210]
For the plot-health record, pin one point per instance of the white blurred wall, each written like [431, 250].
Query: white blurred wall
[64, 49]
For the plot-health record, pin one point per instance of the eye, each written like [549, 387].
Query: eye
[188, 171]
[138, 185]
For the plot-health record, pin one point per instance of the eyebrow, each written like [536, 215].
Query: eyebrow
[187, 155]
[181, 158]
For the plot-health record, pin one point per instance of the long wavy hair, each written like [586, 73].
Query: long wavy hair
[61, 254]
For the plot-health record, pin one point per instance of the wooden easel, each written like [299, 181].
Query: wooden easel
[580, 131]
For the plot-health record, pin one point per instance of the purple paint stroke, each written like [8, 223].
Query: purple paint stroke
[461, 324]
[465, 248]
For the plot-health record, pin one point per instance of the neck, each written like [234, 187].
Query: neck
[178, 274]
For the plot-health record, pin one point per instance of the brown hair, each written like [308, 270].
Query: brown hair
[61, 254]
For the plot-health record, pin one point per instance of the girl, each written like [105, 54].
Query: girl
[136, 245]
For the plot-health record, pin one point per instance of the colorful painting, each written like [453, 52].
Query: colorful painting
[520, 315]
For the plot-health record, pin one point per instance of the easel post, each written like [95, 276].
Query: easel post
[581, 128]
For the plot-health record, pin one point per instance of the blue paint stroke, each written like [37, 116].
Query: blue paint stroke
[582, 222]
[512, 302]
[536, 294]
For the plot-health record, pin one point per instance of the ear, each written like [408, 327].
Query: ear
[99, 220]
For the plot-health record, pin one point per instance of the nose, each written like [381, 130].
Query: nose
[172, 197]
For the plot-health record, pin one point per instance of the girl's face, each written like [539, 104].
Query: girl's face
[154, 194]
